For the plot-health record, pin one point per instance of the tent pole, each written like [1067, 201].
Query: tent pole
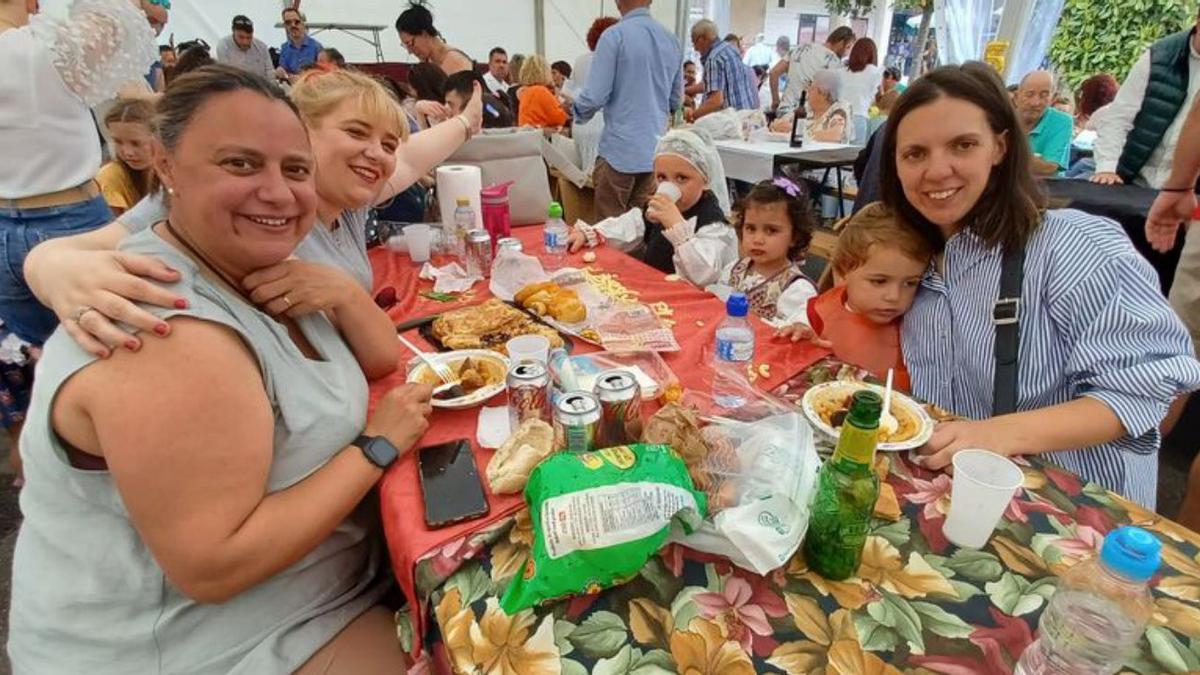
[539, 22]
[681, 23]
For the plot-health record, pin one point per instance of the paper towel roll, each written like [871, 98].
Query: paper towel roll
[455, 181]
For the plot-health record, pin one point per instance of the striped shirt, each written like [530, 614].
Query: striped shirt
[1093, 323]
[725, 72]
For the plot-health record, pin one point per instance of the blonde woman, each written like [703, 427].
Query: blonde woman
[364, 157]
[539, 106]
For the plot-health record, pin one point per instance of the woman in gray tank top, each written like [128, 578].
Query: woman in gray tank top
[198, 507]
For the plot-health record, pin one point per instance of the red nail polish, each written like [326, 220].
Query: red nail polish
[131, 345]
[161, 329]
[181, 304]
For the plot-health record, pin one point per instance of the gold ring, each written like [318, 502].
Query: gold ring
[80, 312]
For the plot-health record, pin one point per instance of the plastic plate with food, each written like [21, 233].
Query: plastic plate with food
[826, 405]
[482, 374]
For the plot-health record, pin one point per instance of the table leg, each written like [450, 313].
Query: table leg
[841, 195]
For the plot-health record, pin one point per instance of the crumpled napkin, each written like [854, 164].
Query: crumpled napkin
[451, 278]
[492, 428]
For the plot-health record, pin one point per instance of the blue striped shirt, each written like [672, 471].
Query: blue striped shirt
[1093, 323]
[725, 72]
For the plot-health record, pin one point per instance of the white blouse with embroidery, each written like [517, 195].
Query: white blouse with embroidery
[54, 71]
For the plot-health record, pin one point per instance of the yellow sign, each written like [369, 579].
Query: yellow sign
[996, 54]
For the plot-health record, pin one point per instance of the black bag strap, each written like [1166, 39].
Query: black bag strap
[1006, 316]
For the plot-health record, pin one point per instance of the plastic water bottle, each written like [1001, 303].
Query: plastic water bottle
[464, 222]
[734, 350]
[554, 238]
[1099, 611]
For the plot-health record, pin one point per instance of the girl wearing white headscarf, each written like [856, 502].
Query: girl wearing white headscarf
[689, 236]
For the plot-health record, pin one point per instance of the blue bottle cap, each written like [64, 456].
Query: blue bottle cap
[1131, 552]
[737, 304]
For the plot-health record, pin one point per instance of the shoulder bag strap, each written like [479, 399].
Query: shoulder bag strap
[1006, 316]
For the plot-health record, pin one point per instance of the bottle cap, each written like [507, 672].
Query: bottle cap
[556, 210]
[463, 201]
[737, 304]
[1131, 552]
[866, 407]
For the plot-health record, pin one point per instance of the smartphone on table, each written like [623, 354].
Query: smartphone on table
[450, 483]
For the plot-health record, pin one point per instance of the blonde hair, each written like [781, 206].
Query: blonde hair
[317, 93]
[535, 70]
[876, 225]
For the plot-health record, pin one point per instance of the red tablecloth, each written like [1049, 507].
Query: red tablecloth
[697, 314]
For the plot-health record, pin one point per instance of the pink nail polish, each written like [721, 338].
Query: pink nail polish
[131, 345]
[181, 304]
[161, 329]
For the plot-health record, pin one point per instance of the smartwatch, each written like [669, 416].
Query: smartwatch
[377, 449]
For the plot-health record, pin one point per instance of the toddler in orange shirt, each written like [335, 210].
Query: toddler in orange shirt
[877, 266]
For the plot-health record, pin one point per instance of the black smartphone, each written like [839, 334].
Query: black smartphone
[450, 483]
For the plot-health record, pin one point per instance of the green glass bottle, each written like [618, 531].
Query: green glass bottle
[846, 492]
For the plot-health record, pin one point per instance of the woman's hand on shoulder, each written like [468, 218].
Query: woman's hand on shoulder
[432, 110]
[297, 288]
[95, 289]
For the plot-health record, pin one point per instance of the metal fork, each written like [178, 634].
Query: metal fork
[451, 386]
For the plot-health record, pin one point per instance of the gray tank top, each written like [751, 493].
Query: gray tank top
[88, 596]
[344, 247]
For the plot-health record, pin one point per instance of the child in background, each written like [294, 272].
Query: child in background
[688, 236]
[878, 266]
[459, 89]
[129, 176]
[774, 225]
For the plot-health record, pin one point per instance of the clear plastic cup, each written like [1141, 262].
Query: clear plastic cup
[984, 484]
[669, 189]
[528, 348]
[419, 239]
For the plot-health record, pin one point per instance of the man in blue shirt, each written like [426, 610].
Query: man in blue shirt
[1049, 129]
[299, 49]
[636, 79]
[726, 83]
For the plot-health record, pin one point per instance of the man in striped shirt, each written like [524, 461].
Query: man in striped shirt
[726, 83]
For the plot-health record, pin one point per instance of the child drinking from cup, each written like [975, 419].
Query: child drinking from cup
[774, 224]
[877, 266]
[683, 228]
[128, 176]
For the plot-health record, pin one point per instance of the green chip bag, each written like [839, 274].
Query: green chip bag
[598, 517]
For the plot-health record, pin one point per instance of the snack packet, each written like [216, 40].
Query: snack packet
[598, 517]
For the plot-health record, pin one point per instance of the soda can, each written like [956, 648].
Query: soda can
[620, 399]
[577, 421]
[511, 243]
[528, 385]
[479, 253]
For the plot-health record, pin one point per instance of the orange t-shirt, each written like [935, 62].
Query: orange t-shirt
[856, 339]
[539, 108]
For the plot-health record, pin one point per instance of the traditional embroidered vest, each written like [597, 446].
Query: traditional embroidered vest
[764, 296]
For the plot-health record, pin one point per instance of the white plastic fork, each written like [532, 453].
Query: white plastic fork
[441, 370]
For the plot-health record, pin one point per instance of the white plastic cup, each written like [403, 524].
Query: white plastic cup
[528, 348]
[984, 484]
[669, 189]
[419, 239]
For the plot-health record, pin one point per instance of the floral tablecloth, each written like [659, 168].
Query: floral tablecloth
[918, 605]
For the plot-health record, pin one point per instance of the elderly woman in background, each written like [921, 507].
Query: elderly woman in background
[156, 540]
[829, 118]
[539, 106]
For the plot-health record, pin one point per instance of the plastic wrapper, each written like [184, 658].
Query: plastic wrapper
[759, 478]
[598, 517]
[654, 376]
[512, 271]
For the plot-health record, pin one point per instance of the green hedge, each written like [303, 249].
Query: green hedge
[1108, 36]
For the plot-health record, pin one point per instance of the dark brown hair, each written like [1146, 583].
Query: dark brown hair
[876, 225]
[839, 35]
[1096, 92]
[1009, 210]
[598, 27]
[799, 212]
[863, 54]
[190, 92]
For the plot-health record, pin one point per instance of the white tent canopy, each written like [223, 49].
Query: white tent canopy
[471, 25]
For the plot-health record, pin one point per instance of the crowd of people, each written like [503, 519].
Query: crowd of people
[215, 268]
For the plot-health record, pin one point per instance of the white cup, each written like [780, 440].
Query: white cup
[984, 484]
[669, 189]
[528, 348]
[419, 239]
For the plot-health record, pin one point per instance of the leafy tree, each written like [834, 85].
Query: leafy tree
[1108, 36]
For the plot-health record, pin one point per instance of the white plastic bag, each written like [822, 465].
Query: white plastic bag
[760, 477]
[512, 271]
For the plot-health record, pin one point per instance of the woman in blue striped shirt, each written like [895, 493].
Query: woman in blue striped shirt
[1101, 354]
